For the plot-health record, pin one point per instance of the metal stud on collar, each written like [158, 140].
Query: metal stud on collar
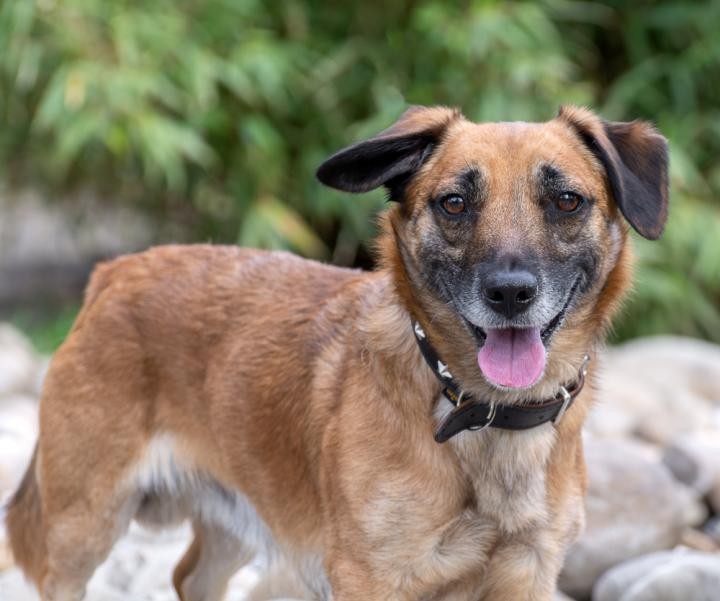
[584, 366]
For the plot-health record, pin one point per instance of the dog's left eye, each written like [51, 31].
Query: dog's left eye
[453, 204]
[569, 202]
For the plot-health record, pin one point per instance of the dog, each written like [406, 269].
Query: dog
[410, 433]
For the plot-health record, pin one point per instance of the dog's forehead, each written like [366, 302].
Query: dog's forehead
[516, 148]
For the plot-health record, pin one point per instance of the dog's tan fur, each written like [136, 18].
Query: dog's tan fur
[299, 388]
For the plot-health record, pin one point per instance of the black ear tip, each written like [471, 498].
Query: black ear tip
[330, 172]
[337, 172]
[654, 231]
[396, 152]
[322, 173]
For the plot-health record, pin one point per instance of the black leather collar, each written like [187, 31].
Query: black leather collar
[470, 414]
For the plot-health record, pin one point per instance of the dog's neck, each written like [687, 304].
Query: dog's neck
[475, 414]
[514, 499]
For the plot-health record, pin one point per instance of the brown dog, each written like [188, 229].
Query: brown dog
[293, 409]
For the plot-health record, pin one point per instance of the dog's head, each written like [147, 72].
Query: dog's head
[508, 240]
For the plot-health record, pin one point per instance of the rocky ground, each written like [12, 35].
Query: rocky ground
[653, 506]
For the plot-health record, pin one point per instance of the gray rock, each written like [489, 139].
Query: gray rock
[48, 248]
[18, 363]
[69, 229]
[694, 459]
[712, 528]
[668, 576]
[634, 507]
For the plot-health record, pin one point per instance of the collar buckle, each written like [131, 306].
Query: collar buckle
[567, 396]
[492, 412]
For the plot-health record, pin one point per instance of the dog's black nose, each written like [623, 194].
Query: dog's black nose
[510, 292]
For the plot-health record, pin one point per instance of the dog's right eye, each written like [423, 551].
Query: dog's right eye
[569, 202]
[453, 204]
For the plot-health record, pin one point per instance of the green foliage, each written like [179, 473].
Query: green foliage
[678, 281]
[220, 110]
[46, 329]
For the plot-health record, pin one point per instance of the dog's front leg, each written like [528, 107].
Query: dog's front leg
[524, 570]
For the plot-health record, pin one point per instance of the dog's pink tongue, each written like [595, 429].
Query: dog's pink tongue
[512, 357]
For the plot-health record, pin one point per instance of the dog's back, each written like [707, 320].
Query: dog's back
[131, 376]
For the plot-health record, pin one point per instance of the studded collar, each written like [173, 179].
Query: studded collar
[472, 414]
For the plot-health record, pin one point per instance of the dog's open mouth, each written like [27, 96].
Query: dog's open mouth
[516, 357]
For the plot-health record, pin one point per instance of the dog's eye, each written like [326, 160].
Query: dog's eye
[569, 202]
[453, 204]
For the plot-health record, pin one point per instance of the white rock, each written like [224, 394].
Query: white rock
[634, 507]
[14, 587]
[18, 363]
[18, 433]
[667, 576]
[42, 369]
[685, 363]
[656, 388]
[6, 558]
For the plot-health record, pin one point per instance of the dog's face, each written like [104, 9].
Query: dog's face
[510, 231]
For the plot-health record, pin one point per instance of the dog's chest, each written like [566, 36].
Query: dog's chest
[444, 527]
[507, 473]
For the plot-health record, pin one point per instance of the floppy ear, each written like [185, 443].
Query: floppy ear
[635, 157]
[390, 158]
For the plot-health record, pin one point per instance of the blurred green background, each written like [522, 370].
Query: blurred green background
[212, 116]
